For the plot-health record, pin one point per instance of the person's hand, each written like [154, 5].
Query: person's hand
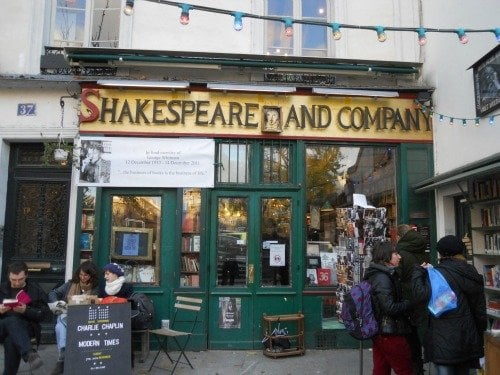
[426, 265]
[4, 309]
[57, 307]
[21, 308]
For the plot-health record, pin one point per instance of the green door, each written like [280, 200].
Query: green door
[254, 264]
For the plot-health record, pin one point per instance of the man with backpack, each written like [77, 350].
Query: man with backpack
[391, 349]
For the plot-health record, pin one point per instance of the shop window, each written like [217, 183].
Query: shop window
[351, 202]
[233, 162]
[275, 238]
[135, 237]
[307, 40]
[191, 238]
[84, 23]
[232, 233]
[276, 163]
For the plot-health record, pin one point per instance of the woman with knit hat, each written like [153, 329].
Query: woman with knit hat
[115, 282]
[454, 340]
[85, 280]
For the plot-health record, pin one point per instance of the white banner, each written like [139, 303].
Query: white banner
[147, 162]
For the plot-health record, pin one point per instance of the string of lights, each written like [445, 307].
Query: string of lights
[336, 27]
[463, 120]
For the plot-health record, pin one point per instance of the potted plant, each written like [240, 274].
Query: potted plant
[58, 152]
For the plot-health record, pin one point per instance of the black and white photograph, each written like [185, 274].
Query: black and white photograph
[94, 165]
[229, 312]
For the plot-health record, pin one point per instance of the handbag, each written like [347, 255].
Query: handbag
[443, 298]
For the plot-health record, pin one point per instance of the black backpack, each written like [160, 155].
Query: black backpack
[142, 311]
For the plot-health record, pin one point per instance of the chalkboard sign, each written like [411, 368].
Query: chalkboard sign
[98, 340]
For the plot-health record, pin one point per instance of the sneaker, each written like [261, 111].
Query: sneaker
[58, 369]
[34, 361]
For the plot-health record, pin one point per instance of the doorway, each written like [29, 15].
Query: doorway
[36, 219]
[254, 264]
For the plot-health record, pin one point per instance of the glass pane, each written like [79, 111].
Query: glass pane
[233, 163]
[135, 237]
[314, 37]
[276, 164]
[105, 23]
[191, 238]
[232, 215]
[277, 43]
[69, 23]
[335, 230]
[275, 240]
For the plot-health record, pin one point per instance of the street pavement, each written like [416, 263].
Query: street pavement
[238, 362]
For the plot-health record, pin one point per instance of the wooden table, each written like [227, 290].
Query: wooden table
[295, 325]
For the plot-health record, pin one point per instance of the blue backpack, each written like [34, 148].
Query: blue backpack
[357, 312]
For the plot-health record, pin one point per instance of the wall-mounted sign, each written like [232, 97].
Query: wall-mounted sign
[98, 340]
[487, 82]
[212, 114]
[126, 162]
[26, 109]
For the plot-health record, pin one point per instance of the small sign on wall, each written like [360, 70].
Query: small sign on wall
[26, 109]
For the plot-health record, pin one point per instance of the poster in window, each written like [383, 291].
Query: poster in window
[229, 312]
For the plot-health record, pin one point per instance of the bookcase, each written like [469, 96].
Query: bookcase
[88, 226]
[190, 238]
[485, 227]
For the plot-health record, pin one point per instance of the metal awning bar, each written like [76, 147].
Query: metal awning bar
[258, 88]
[436, 182]
[348, 92]
[141, 83]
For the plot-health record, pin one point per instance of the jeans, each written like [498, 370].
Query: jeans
[452, 370]
[61, 331]
[15, 334]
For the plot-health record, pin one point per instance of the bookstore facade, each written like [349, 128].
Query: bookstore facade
[260, 203]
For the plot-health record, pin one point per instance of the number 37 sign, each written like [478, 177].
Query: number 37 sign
[26, 109]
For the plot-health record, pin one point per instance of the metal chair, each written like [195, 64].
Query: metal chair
[186, 315]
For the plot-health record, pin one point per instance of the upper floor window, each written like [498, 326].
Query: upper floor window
[307, 40]
[85, 23]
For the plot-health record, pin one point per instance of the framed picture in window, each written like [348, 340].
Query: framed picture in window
[132, 243]
[487, 82]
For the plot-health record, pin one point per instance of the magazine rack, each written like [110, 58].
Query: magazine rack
[295, 325]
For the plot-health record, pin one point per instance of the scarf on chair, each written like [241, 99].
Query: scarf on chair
[114, 287]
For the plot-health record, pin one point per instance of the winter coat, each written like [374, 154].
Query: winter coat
[456, 337]
[36, 311]
[412, 248]
[391, 311]
[61, 293]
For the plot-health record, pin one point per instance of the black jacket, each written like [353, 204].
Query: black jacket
[412, 248]
[456, 336]
[36, 311]
[388, 300]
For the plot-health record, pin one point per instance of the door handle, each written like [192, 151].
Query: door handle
[250, 273]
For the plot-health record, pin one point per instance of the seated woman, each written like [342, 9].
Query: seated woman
[85, 280]
[115, 282]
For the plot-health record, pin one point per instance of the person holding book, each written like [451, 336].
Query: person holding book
[20, 321]
[454, 340]
[85, 281]
[412, 248]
